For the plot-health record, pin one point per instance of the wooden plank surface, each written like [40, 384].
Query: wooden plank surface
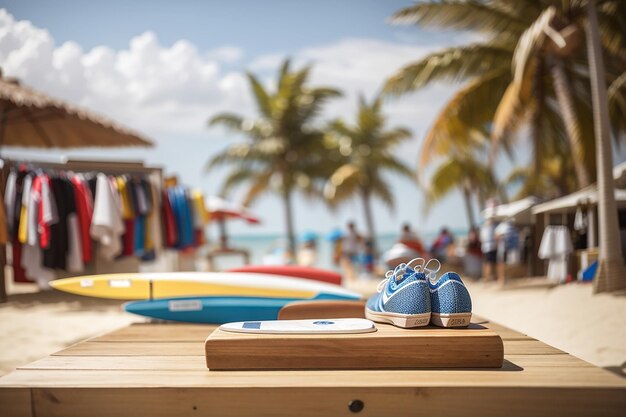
[511, 347]
[163, 363]
[336, 402]
[159, 369]
[147, 332]
[511, 376]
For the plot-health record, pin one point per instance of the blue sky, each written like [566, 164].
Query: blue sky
[256, 26]
[165, 67]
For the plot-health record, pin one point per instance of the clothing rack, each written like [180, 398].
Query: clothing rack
[75, 165]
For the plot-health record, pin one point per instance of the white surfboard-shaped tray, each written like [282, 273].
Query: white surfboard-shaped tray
[320, 326]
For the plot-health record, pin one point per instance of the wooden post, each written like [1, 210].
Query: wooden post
[4, 173]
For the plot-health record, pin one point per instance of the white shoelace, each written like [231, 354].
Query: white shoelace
[418, 265]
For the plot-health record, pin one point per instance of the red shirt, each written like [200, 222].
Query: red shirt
[84, 208]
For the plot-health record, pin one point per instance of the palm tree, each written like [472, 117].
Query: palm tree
[284, 150]
[547, 85]
[463, 173]
[366, 148]
[610, 274]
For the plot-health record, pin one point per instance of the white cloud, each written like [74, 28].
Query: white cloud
[226, 54]
[148, 86]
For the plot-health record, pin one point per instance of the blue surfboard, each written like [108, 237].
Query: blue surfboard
[217, 309]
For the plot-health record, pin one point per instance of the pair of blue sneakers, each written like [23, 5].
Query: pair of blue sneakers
[412, 296]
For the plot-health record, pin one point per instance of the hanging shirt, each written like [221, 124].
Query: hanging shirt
[47, 212]
[155, 241]
[127, 209]
[200, 214]
[22, 232]
[107, 226]
[9, 200]
[61, 248]
[4, 233]
[31, 256]
[84, 212]
[169, 221]
[556, 245]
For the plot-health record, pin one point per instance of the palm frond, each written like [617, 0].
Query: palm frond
[235, 178]
[229, 120]
[261, 97]
[382, 191]
[260, 185]
[394, 137]
[343, 183]
[473, 15]
[451, 64]
[459, 124]
[393, 164]
[511, 112]
[531, 41]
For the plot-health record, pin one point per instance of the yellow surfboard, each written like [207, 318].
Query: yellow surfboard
[137, 286]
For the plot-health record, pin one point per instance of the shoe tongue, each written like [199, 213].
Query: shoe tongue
[404, 274]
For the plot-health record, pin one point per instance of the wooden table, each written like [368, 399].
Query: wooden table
[159, 369]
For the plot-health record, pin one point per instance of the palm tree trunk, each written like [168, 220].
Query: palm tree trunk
[465, 190]
[610, 275]
[369, 220]
[536, 124]
[563, 88]
[291, 237]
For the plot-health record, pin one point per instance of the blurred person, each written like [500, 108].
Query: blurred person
[307, 255]
[411, 240]
[488, 248]
[439, 248]
[368, 256]
[507, 246]
[350, 249]
[473, 254]
[336, 239]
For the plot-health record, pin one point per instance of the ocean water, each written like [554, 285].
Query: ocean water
[262, 247]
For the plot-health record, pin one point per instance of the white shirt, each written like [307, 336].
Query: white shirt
[488, 237]
[107, 225]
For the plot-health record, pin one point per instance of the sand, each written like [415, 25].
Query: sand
[569, 317]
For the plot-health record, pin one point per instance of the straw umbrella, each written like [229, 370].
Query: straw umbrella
[31, 119]
[610, 276]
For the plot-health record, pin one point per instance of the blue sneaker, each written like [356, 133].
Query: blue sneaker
[403, 298]
[449, 298]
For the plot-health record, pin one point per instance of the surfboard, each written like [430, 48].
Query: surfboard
[217, 310]
[297, 271]
[138, 286]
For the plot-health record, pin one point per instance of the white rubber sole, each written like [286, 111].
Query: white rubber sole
[451, 320]
[405, 321]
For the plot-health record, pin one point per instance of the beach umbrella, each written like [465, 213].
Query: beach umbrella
[334, 235]
[221, 210]
[32, 119]
[308, 236]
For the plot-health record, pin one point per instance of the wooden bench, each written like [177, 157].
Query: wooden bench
[159, 369]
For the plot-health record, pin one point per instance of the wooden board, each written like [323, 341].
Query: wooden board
[300, 310]
[428, 347]
[160, 370]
